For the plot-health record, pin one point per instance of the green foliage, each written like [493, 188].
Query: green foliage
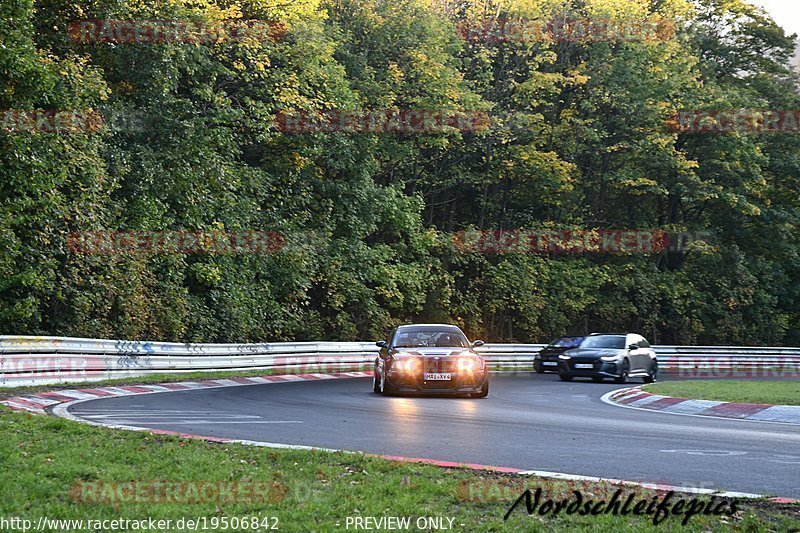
[578, 139]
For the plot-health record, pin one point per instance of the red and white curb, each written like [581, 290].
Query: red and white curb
[636, 398]
[58, 403]
[41, 402]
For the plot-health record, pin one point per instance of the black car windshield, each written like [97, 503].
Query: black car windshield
[615, 342]
[566, 342]
[422, 337]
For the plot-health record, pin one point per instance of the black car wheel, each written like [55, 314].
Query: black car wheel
[564, 376]
[653, 375]
[623, 375]
[376, 383]
[484, 391]
[538, 369]
[386, 388]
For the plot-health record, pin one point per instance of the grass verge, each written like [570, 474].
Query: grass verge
[745, 391]
[48, 463]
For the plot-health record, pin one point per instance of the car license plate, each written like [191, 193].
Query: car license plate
[584, 365]
[437, 377]
[549, 363]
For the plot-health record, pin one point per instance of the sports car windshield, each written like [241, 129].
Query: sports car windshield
[427, 337]
[566, 342]
[613, 342]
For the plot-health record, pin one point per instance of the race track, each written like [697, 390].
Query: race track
[529, 421]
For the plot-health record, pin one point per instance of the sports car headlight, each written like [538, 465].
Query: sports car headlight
[467, 364]
[407, 366]
[565, 357]
[609, 358]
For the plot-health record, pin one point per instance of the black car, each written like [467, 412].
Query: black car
[547, 359]
[616, 356]
[435, 359]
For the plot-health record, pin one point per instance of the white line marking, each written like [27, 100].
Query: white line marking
[116, 391]
[291, 377]
[159, 412]
[181, 416]
[181, 421]
[219, 422]
[710, 453]
[258, 380]
[77, 395]
[227, 383]
[16, 405]
[41, 400]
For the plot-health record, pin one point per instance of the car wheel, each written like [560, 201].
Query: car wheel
[623, 376]
[386, 388]
[376, 384]
[597, 379]
[484, 390]
[564, 376]
[538, 369]
[653, 375]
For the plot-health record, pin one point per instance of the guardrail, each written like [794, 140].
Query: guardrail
[47, 360]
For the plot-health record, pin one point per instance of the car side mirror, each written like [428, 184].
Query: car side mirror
[633, 347]
[381, 344]
[478, 344]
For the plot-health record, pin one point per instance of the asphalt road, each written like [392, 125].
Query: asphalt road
[529, 421]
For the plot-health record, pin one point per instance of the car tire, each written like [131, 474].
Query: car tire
[652, 377]
[386, 388]
[376, 384]
[538, 369]
[484, 390]
[564, 377]
[623, 375]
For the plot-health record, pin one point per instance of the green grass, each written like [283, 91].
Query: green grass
[42, 458]
[768, 392]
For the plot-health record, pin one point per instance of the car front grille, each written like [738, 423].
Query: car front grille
[442, 365]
